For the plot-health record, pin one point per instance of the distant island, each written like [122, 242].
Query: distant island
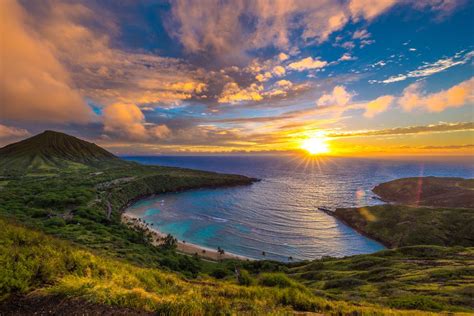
[65, 250]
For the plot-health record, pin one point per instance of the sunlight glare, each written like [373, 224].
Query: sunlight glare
[316, 144]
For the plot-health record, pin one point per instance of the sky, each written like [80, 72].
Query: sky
[364, 77]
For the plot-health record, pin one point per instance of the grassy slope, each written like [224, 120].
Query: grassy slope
[429, 191]
[400, 225]
[446, 217]
[33, 261]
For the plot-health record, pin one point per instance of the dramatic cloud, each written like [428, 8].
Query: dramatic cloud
[307, 63]
[378, 105]
[459, 95]
[35, 85]
[105, 73]
[432, 68]
[338, 97]
[225, 33]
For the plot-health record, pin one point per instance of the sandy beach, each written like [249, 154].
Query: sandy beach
[182, 247]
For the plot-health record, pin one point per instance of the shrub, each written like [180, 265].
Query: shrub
[55, 222]
[416, 302]
[275, 279]
[344, 283]
[245, 278]
[219, 273]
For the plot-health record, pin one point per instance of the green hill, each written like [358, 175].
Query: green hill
[52, 150]
[429, 191]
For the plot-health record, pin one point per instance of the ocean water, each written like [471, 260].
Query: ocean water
[279, 214]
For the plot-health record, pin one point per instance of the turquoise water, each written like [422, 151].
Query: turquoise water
[279, 214]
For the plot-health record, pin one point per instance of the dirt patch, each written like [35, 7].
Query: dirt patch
[58, 305]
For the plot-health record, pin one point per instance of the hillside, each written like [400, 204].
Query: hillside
[53, 271]
[428, 191]
[446, 217]
[52, 150]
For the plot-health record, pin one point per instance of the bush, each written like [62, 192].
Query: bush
[219, 273]
[245, 278]
[55, 222]
[275, 279]
[416, 302]
[344, 283]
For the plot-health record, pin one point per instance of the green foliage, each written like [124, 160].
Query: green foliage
[276, 279]
[416, 302]
[244, 278]
[220, 273]
[169, 242]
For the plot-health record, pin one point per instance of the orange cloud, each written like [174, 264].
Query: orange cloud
[125, 119]
[36, 86]
[232, 93]
[378, 105]
[369, 9]
[307, 63]
[456, 96]
[339, 97]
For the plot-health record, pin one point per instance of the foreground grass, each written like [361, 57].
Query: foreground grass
[417, 277]
[31, 261]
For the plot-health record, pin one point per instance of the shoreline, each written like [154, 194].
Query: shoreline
[182, 247]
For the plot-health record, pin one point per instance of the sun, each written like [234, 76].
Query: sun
[316, 144]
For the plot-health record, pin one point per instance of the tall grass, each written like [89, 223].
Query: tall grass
[31, 260]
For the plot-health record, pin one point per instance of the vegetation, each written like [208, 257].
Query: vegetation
[33, 261]
[429, 191]
[400, 225]
[50, 151]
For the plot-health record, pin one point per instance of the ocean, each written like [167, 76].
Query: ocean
[279, 215]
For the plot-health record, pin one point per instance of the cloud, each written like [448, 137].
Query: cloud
[125, 119]
[104, 73]
[347, 57]
[432, 128]
[160, 131]
[338, 97]
[229, 36]
[307, 63]
[284, 83]
[429, 69]
[232, 93]
[378, 105]
[456, 96]
[279, 71]
[9, 132]
[369, 9]
[283, 56]
[361, 34]
[35, 86]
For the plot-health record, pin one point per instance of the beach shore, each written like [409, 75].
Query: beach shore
[182, 246]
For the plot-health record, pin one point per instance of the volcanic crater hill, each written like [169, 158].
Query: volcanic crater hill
[53, 150]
